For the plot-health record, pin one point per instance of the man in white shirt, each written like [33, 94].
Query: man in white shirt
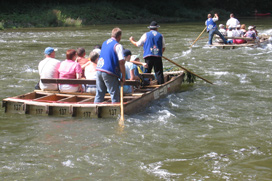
[48, 68]
[237, 32]
[232, 22]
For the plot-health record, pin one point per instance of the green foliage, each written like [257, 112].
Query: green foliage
[1, 26]
[87, 12]
[56, 18]
[189, 78]
[72, 22]
[189, 14]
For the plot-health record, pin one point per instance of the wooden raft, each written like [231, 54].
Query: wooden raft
[55, 103]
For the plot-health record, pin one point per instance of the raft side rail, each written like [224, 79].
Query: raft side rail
[83, 81]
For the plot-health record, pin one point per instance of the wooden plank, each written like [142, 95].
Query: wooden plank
[83, 81]
[69, 81]
[46, 91]
[86, 112]
[135, 105]
[54, 103]
[232, 45]
[152, 86]
[91, 99]
[74, 99]
[109, 111]
[137, 94]
[148, 75]
[14, 107]
[62, 111]
[54, 97]
[242, 38]
[40, 110]
[31, 95]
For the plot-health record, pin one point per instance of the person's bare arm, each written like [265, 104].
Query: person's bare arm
[122, 69]
[132, 40]
[78, 76]
[85, 65]
[133, 76]
[139, 63]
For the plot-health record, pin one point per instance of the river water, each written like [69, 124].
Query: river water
[204, 132]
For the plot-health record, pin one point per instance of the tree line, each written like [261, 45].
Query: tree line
[32, 13]
[241, 7]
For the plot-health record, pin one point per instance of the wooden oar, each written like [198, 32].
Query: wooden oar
[187, 70]
[122, 119]
[198, 37]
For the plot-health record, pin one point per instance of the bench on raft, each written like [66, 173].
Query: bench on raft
[82, 81]
[85, 82]
[248, 40]
[93, 81]
[242, 38]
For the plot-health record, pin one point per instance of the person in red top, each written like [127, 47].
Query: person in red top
[82, 60]
[69, 69]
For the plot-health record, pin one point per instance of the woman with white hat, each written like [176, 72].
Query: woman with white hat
[250, 33]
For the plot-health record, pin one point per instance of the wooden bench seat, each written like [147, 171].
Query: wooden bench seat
[83, 81]
[242, 38]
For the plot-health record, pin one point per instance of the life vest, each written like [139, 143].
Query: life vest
[153, 44]
[210, 24]
[139, 69]
[108, 61]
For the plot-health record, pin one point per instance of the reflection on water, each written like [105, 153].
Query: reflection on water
[203, 132]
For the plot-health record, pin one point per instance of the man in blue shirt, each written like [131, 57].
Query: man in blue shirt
[154, 45]
[212, 28]
[110, 65]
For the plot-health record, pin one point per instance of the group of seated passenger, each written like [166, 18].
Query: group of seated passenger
[238, 31]
[76, 66]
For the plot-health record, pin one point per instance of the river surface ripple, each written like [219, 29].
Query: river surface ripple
[204, 132]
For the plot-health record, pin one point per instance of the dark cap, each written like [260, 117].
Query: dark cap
[153, 25]
[126, 52]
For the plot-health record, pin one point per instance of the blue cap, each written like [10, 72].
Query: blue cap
[49, 50]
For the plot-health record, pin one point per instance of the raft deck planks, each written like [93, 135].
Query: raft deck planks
[54, 103]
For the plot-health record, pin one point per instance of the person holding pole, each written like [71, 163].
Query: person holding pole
[154, 45]
[110, 66]
[212, 28]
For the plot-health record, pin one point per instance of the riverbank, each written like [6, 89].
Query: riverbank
[91, 13]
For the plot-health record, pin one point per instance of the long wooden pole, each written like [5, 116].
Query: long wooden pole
[187, 70]
[122, 119]
[198, 37]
